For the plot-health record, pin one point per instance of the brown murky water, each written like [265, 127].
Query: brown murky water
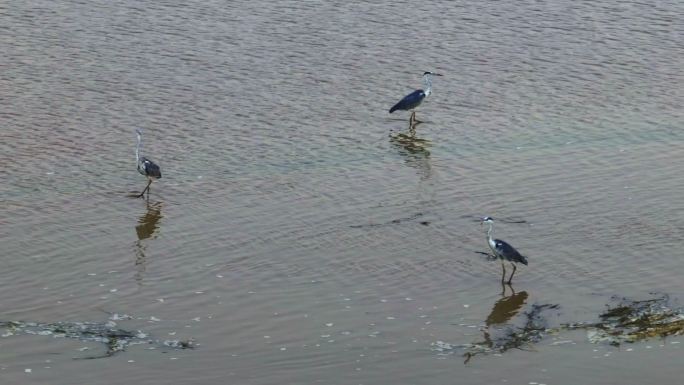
[299, 235]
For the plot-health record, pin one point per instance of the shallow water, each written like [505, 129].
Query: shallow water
[299, 233]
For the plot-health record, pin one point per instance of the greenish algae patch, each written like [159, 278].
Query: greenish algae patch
[631, 321]
[107, 333]
[628, 321]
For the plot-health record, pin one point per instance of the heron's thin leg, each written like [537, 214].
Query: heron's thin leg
[146, 188]
[514, 268]
[503, 288]
[503, 275]
[412, 128]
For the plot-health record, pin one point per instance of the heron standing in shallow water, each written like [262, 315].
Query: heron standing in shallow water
[145, 166]
[411, 101]
[503, 251]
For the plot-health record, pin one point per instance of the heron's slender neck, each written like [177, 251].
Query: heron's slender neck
[427, 79]
[489, 231]
[137, 149]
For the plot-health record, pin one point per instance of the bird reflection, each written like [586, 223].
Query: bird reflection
[147, 226]
[503, 311]
[415, 151]
[506, 308]
[148, 222]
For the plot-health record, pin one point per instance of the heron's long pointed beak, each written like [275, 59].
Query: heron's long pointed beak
[438, 75]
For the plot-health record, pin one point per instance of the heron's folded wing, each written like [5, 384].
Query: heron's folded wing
[409, 101]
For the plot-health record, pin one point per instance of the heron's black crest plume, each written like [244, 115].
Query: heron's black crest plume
[478, 218]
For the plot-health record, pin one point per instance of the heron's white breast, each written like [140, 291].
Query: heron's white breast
[492, 245]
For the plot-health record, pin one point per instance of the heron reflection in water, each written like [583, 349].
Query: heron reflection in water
[507, 307]
[504, 310]
[147, 227]
[415, 151]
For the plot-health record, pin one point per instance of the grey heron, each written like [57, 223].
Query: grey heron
[146, 167]
[503, 251]
[411, 101]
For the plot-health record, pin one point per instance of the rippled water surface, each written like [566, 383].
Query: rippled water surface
[300, 233]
